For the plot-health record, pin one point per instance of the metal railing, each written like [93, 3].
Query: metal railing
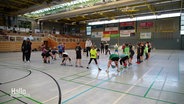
[18, 38]
[61, 39]
[38, 38]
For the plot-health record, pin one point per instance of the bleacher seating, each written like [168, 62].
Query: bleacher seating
[11, 41]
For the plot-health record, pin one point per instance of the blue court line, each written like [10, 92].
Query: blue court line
[128, 84]
[170, 55]
[65, 101]
[160, 92]
[153, 82]
[137, 95]
[121, 92]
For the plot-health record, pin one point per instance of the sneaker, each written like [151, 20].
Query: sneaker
[125, 64]
[76, 66]
[99, 69]
[107, 71]
[129, 64]
[63, 64]
[138, 62]
[87, 67]
[121, 69]
[81, 66]
[118, 70]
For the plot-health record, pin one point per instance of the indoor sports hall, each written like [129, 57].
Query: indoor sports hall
[91, 52]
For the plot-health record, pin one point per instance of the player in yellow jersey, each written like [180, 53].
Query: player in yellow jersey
[93, 56]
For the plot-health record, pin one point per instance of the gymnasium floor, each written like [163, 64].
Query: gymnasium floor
[159, 80]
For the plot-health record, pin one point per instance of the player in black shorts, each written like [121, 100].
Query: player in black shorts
[78, 50]
[138, 53]
[142, 51]
[48, 55]
[149, 49]
[54, 52]
[131, 54]
[65, 57]
[123, 60]
[113, 58]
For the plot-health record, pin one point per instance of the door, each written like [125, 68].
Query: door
[182, 42]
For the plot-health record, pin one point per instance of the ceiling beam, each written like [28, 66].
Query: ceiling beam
[29, 1]
[150, 7]
[181, 6]
[107, 6]
[142, 6]
[9, 6]
[16, 1]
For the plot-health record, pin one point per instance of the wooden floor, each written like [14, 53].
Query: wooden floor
[159, 80]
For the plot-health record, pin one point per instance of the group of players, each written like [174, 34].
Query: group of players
[124, 58]
[48, 53]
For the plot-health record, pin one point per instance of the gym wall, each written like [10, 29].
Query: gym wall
[165, 34]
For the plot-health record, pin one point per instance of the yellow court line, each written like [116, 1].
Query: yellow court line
[78, 87]
[68, 91]
[50, 99]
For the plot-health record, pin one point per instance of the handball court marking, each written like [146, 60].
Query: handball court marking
[96, 86]
[137, 82]
[169, 59]
[22, 96]
[74, 74]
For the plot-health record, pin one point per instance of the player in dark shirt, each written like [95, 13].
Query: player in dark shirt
[138, 53]
[78, 50]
